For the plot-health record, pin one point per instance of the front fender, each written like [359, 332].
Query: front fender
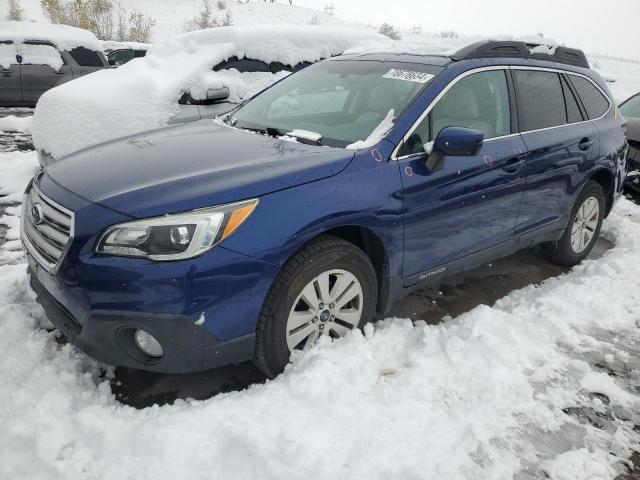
[368, 193]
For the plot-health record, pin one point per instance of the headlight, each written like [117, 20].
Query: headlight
[175, 237]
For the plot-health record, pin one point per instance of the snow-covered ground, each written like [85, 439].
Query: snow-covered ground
[497, 392]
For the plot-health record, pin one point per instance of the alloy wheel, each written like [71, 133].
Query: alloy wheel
[585, 224]
[330, 304]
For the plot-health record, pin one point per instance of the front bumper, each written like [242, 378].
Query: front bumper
[107, 336]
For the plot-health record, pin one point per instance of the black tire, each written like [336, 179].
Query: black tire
[323, 254]
[561, 251]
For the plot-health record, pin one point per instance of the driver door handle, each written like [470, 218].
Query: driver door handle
[514, 164]
[586, 143]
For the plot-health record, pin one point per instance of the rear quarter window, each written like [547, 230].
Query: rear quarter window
[595, 103]
[86, 58]
[540, 99]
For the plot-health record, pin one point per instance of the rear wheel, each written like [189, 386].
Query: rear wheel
[583, 229]
[328, 288]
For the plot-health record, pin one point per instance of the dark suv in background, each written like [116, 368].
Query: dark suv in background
[31, 67]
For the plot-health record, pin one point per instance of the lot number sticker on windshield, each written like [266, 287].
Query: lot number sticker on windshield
[409, 75]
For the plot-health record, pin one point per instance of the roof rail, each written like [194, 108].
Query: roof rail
[512, 49]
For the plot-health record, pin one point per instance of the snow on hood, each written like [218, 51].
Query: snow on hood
[62, 36]
[142, 94]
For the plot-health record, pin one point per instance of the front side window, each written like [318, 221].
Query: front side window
[341, 101]
[540, 99]
[86, 58]
[594, 102]
[479, 101]
[36, 53]
[631, 107]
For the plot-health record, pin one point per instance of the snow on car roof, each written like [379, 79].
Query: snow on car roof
[115, 45]
[63, 36]
[143, 94]
[287, 44]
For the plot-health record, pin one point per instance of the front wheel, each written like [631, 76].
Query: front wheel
[328, 288]
[583, 228]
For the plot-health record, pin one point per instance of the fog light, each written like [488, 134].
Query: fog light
[148, 344]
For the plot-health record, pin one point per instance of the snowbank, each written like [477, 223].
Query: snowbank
[479, 396]
[11, 123]
[16, 170]
[62, 36]
[143, 94]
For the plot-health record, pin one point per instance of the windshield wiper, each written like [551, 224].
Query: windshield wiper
[306, 136]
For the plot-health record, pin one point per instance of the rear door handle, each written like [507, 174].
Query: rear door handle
[514, 164]
[585, 144]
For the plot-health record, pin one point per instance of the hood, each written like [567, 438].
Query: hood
[190, 166]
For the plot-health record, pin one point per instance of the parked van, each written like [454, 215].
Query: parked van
[37, 57]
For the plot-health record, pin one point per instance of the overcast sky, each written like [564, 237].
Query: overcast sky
[598, 26]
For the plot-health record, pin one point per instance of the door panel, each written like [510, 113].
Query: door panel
[9, 74]
[556, 158]
[42, 69]
[560, 144]
[471, 204]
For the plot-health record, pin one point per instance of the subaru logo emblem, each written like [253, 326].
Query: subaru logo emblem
[37, 215]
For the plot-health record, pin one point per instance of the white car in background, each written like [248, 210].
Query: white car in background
[193, 76]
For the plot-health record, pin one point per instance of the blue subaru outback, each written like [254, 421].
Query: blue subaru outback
[311, 208]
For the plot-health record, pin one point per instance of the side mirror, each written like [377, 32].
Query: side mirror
[216, 94]
[458, 141]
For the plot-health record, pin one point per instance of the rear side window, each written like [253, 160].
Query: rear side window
[573, 110]
[479, 101]
[595, 103]
[540, 99]
[86, 58]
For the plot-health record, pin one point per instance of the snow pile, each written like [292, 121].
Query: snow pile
[479, 396]
[62, 36]
[240, 85]
[143, 94]
[11, 123]
[16, 170]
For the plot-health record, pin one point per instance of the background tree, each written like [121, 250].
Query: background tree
[105, 18]
[204, 19]
[389, 31]
[15, 11]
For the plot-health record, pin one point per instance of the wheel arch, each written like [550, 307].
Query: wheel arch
[374, 248]
[606, 180]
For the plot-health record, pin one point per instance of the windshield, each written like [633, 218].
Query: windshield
[631, 108]
[335, 102]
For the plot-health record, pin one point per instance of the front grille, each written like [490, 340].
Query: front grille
[47, 228]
